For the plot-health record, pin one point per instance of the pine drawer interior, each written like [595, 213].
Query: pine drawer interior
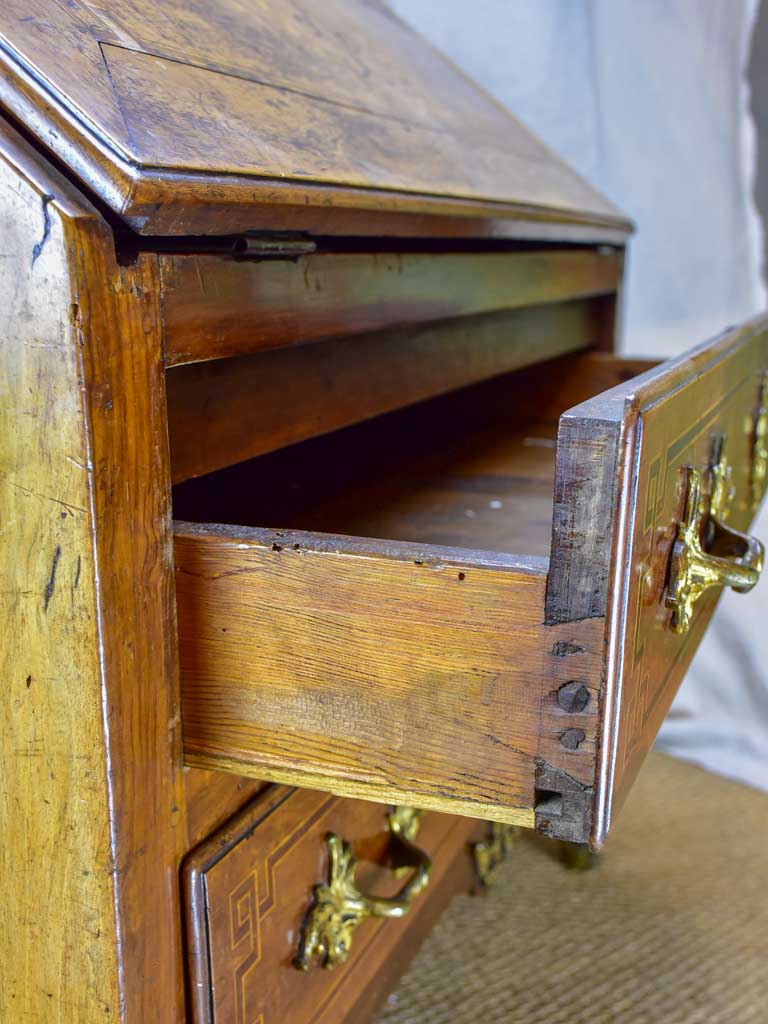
[473, 469]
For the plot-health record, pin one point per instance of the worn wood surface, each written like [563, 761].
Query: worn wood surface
[214, 306]
[57, 901]
[231, 410]
[458, 222]
[119, 330]
[383, 707]
[211, 798]
[414, 476]
[617, 498]
[587, 488]
[168, 111]
[493, 493]
[249, 886]
[90, 899]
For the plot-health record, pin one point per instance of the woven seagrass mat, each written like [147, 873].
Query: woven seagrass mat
[670, 926]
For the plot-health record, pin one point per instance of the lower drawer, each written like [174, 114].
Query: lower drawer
[255, 888]
[482, 605]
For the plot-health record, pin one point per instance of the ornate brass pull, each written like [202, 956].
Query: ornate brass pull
[760, 450]
[338, 906]
[707, 553]
[492, 851]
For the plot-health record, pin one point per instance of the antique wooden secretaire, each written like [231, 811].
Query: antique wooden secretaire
[336, 538]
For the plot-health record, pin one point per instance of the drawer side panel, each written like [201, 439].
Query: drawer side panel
[403, 680]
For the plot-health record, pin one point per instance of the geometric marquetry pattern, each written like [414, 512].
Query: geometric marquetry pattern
[655, 657]
[247, 912]
[247, 890]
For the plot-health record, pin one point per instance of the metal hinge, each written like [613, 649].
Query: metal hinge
[272, 245]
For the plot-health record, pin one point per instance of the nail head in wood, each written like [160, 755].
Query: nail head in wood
[573, 696]
[572, 738]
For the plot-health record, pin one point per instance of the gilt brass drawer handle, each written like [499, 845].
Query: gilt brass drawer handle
[706, 553]
[338, 907]
[760, 450]
[492, 851]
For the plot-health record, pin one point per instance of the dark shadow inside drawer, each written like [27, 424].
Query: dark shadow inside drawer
[473, 469]
[454, 471]
[225, 411]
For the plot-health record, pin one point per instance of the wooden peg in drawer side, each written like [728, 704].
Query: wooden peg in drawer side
[451, 665]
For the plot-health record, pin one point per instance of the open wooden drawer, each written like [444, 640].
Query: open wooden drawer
[508, 647]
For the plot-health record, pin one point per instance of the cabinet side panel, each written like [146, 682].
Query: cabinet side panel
[120, 338]
[55, 859]
[91, 808]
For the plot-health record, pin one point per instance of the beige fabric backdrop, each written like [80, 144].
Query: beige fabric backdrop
[649, 101]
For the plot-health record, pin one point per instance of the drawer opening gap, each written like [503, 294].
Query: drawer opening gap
[473, 469]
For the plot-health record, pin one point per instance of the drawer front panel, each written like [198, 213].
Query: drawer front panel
[248, 889]
[680, 421]
[624, 466]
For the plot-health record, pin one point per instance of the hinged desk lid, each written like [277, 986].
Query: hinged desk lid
[200, 116]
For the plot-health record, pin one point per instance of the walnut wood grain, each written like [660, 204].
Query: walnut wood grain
[215, 306]
[53, 810]
[222, 109]
[390, 477]
[617, 498]
[119, 331]
[231, 410]
[248, 887]
[335, 215]
[90, 905]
